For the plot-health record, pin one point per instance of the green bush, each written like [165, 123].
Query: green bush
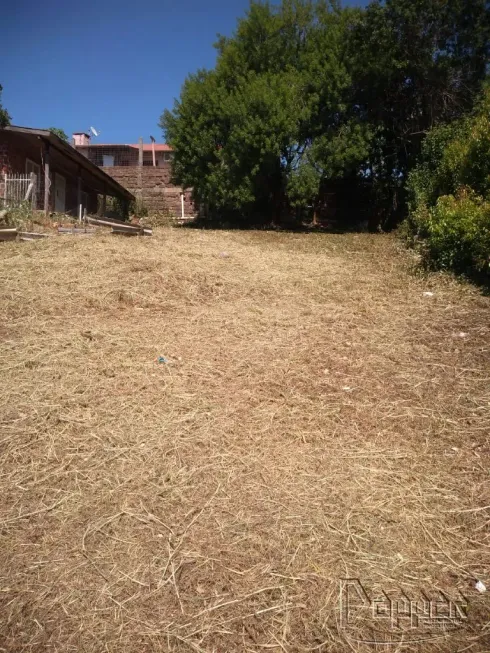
[449, 195]
[456, 233]
[17, 217]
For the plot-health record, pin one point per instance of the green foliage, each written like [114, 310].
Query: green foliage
[114, 205]
[137, 208]
[253, 134]
[450, 194]
[17, 216]
[305, 94]
[59, 132]
[4, 116]
[456, 233]
[415, 64]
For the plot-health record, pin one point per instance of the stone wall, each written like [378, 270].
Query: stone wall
[154, 187]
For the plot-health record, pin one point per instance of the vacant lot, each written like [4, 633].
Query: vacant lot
[318, 417]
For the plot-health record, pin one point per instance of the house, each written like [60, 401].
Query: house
[65, 178]
[145, 169]
[114, 155]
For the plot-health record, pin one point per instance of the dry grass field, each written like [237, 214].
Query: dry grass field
[318, 417]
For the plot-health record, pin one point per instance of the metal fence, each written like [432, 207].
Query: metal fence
[18, 189]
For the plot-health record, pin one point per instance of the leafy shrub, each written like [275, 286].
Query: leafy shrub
[138, 208]
[18, 217]
[456, 232]
[449, 195]
[155, 219]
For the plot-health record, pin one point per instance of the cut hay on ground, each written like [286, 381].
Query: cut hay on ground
[318, 418]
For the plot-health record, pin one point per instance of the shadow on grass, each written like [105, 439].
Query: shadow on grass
[481, 280]
[331, 227]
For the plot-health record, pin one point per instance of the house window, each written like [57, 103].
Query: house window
[168, 156]
[108, 160]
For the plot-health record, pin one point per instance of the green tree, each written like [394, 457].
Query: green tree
[59, 132]
[414, 64]
[4, 116]
[305, 94]
[243, 131]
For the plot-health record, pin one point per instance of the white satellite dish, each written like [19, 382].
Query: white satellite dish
[94, 131]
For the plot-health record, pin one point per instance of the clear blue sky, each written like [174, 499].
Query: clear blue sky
[112, 64]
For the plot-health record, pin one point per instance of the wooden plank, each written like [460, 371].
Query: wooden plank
[133, 229]
[119, 229]
[108, 222]
[122, 232]
[75, 230]
[130, 228]
[32, 235]
[123, 226]
[77, 233]
[8, 234]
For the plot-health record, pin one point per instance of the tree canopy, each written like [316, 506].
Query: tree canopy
[4, 116]
[59, 132]
[307, 94]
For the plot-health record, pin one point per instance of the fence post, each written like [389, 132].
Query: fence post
[79, 186]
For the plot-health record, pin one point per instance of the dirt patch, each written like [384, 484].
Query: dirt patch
[319, 417]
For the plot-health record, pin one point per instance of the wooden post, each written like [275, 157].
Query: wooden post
[47, 180]
[104, 202]
[79, 186]
[34, 190]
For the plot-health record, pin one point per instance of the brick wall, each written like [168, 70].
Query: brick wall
[154, 187]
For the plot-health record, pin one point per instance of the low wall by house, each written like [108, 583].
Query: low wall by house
[154, 187]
